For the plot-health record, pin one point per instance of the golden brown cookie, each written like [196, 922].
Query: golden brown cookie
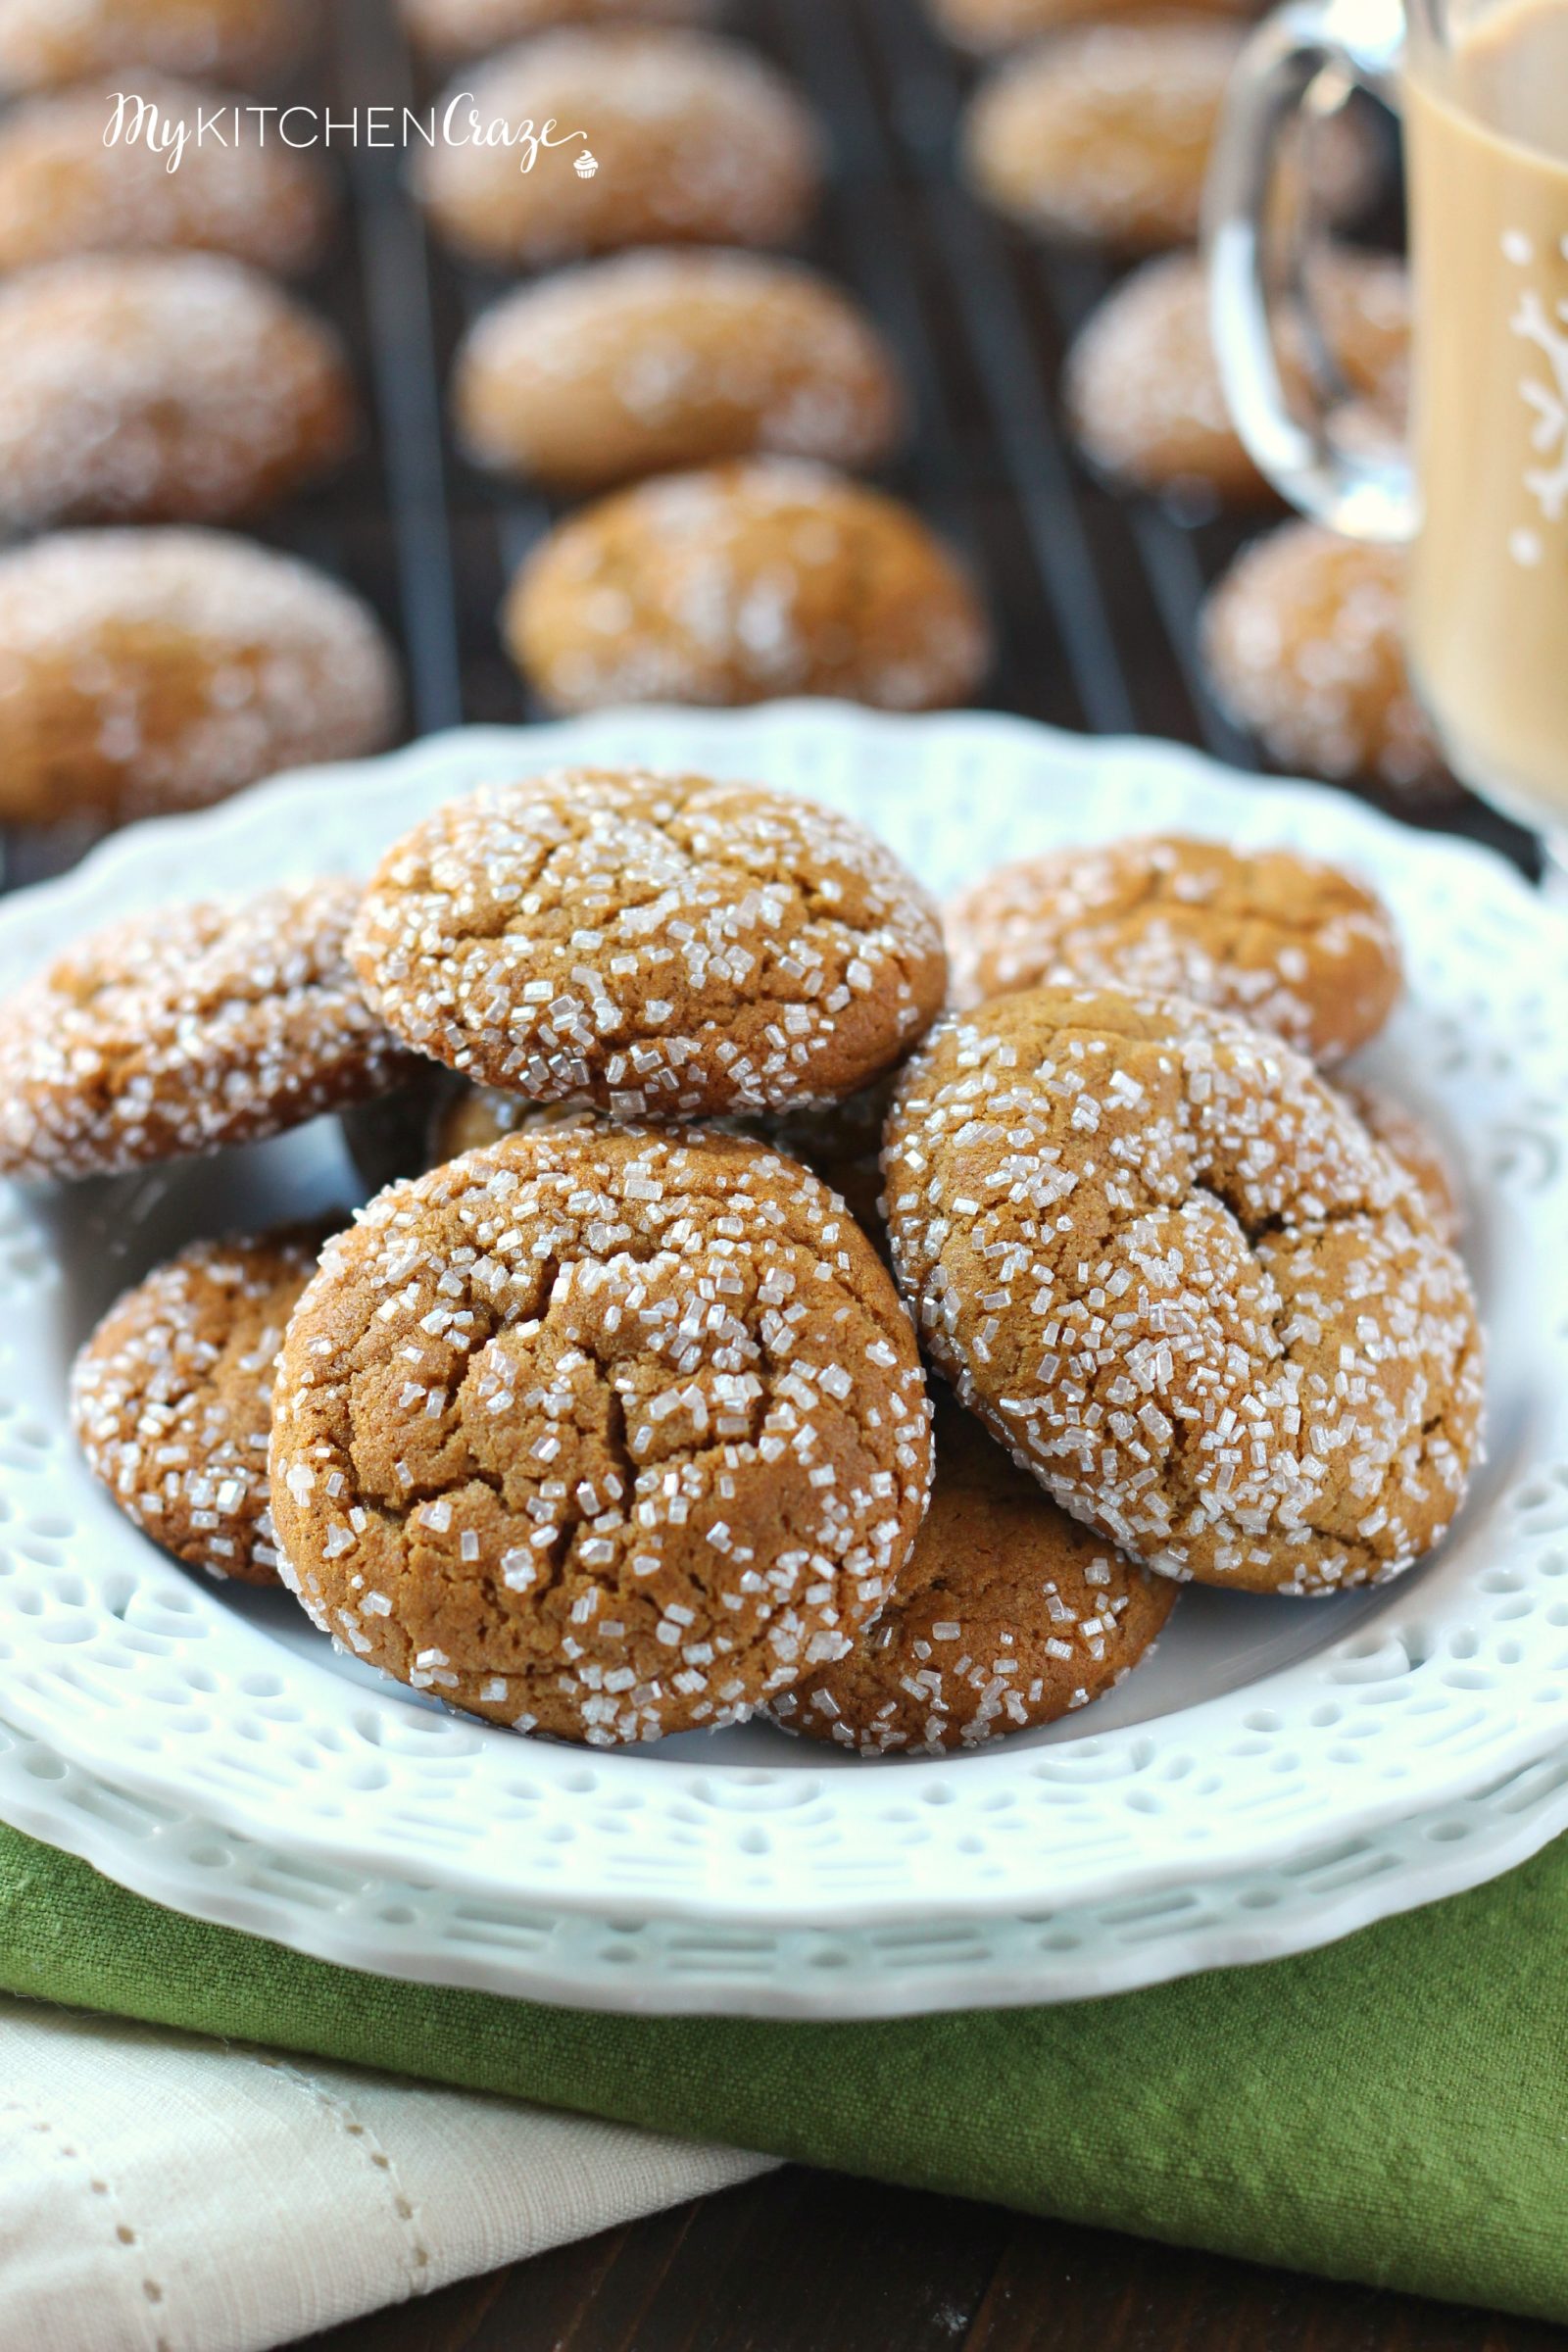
[1305, 647]
[741, 583]
[148, 670]
[1394, 1125]
[1143, 389]
[662, 944]
[453, 28]
[1104, 131]
[172, 1399]
[64, 192]
[694, 140]
[176, 1032]
[44, 43]
[162, 387]
[1006, 1614]
[652, 361]
[1166, 1264]
[1284, 941]
[609, 1433]
[987, 26]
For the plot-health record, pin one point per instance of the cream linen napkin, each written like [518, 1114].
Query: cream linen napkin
[160, 2193]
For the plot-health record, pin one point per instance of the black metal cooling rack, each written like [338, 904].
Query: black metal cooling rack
[1095, 598]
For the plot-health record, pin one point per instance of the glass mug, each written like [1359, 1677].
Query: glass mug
[1482, 495]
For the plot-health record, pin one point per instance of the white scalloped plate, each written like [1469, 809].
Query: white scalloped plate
[661, 1967]
[1263, 1730]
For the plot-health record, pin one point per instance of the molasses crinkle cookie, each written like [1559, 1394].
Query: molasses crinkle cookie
[44, 43]
[469, 28]
[1006, 1614]
[1170, 1269]
[1295, 945]
[176, 1032]
[609, 1433]
[742, 582]
[172, 1399]
[147, 671]
[662, 944]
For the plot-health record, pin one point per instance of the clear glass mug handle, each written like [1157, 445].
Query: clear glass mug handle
[1305, 58]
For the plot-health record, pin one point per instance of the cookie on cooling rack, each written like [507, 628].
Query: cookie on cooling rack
[1286, 941]
[604, 1431]
[1104, 133]
[1006, 1614]
[144, 670]
[694, 140]
[1304, 646]
[162, 387]
[172, 1399]
[741, 583]
[180, 1031]
[63, 191]
[1167, 1266]
[988, 26]
[665, 945]
[652, 361]
[43, 45]
[453, 28]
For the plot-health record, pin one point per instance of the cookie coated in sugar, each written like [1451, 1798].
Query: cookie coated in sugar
[64, 192]
[1008, 1614]
[656, 359]
[144, 670]
[741, 583]
[1103, 132]
[453, 28]
[43, 45]
[172, 1399]
[665, 945]
[695, 141]
[989, 27]
[1285, 941]
[608, 1434]
[1303, 643]
[176, 1032]
[162, 387]
[1170, 1269]
[1418, 1150]
[1143, 388]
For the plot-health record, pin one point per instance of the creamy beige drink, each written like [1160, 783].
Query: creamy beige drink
[1487, 130]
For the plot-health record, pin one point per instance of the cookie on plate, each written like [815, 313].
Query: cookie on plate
[188, 1028]
[1143, 387]
[172, 1399]
[453, 28]
[1006, 1614]
[607, 1433]
[1285, 941]
[656, 359]
[1166, 1264]
[1419, 1152]
[1305, 645]
[247, 41]
[162, 387]
[662, 945]
[694, 140]
[743, 582]
[144, 670]
[62, 190]
[1104, 131]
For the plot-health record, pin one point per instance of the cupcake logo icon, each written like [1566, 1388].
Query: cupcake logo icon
[586, 164]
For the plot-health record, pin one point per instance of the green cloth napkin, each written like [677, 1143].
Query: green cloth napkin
[1394, 2109]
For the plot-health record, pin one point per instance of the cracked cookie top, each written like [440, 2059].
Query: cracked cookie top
[180, 1031]
[172, 1399]
[666, 946]
[1171, 1270]
[604, 1431]
[1294, 944]
[1006, 1614]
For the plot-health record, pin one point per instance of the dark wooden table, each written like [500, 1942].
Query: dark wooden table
[811, 2262]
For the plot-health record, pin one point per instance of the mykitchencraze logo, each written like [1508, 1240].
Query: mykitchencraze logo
[135, 122]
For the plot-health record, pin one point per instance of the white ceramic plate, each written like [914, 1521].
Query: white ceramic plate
[1263, 1730]
[439, 1936]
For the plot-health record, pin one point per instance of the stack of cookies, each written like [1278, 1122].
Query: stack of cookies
[614, 1419]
